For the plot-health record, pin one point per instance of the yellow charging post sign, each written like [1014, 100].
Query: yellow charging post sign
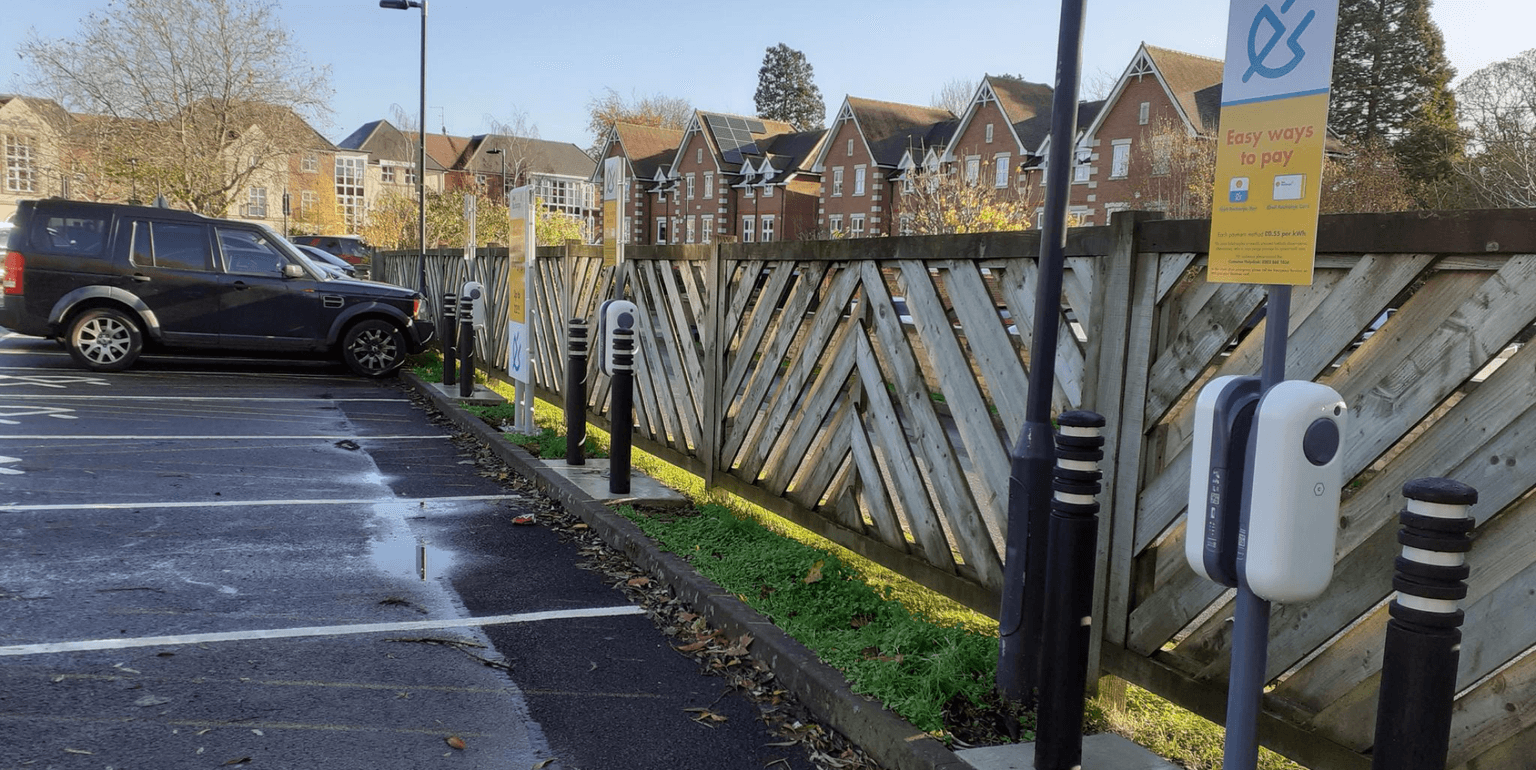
[1269, 158]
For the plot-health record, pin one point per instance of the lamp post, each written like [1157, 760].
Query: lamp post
[421, 156]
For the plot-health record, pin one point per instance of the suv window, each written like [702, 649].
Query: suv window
[249, 253]
[171, 245]
[66, 233]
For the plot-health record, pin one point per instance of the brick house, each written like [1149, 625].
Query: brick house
[695, 200]
[777, 194]
[861, 163]
[1160, 90]
[560, 173]
[643, 151]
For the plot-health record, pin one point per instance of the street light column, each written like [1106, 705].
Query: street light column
[421, 154]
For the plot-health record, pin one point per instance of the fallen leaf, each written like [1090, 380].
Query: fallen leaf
[814, 576]
[79, 751]
[523, 520]
[695, 647]
[259, 733]
[639, 581]
[543, 763]
[239, 761]
[739, 649]
[686, 616]
[574, 526]
[705, 715]
[455, 742]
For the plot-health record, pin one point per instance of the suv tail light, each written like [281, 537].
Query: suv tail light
[10, 273]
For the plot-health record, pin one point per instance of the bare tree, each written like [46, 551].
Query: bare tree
[1177, 169]
[1498, 106]
[655, 110]
[936, 201]
[518, 138]
[192, 98]
[955, 96]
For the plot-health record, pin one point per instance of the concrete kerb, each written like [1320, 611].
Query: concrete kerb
[887, 738]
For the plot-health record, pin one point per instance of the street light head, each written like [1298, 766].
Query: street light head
[399, 5]
[496, 151]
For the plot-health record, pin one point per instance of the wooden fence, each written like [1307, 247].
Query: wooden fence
[787, 373]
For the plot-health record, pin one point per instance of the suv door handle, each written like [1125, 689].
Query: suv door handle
[141, 278]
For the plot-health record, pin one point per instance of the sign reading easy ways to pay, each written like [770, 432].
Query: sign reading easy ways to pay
[1274, 118]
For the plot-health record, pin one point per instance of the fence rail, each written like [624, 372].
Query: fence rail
[871, 390]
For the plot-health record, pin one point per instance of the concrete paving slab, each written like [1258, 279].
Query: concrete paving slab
[480, 396]
[1105, 751]
[592, 478]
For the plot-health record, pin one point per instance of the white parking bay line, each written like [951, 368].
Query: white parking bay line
[50, 648]
[116, 397]
[419, 501]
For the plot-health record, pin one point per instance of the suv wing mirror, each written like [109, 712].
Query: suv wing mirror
[291, 270]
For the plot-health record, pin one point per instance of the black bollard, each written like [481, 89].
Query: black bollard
[1067, 629]
[622, 417]
[576, 393]
[448, 332]
[1418, 669]
[466, 350]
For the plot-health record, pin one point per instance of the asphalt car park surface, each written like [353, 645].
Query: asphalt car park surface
[228, 562]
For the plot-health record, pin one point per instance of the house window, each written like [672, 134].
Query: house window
[349, 190]
[709, 184]
[480, 181]
[410, 175]
[387, 174]
[747, 226]
[689, 229]
[661, 231]
[256, 203]
[972, 169]
[749, 191]
[698, 155]
[906, 182]
[308, 201]
[858, 180]
[1081, 170]
[767, 228]
[1120, 164]
[857, 225]
[706, 230]
[850, 148]
[989, 133]
[310, 164]
[20, 175]
[1143, 112]
[1162, 155]
[767, 191]
[689, 177]
[837, 180]
[906, 224]
[835, 224]
[1000, 163]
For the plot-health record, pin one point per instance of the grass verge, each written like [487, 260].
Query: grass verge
[924, 656]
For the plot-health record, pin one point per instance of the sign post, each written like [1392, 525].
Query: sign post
[520, 258]
[1269, 162]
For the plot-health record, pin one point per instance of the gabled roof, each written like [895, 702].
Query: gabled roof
[1192, 83]
[755, 132]
[791, 154]
[647, 148]
[382, 141]
[889, 129]
[537, 155]
[49, 110]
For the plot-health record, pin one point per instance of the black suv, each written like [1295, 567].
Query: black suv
[107, 280]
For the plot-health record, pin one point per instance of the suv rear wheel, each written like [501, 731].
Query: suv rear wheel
[104, 339]
[373, 348]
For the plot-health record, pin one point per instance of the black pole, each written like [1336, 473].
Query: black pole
[449, 332]
[466, 349]
[576, 393]
[421, 165]
[1418, 670]
[1023, 608]
[1074, 537]
[622, 417]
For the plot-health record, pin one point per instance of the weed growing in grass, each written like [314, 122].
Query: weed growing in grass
[1170, 731]
[911, 666]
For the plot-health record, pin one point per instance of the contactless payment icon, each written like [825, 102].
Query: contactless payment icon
[1237, 191]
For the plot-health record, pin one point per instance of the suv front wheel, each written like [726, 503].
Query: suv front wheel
[104, 339]
[373, 348]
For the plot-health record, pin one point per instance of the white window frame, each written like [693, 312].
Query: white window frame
[1143, 113]
[256, 203]
[1081, 171]
[1000, 171]
[311, 163]
[308, 200]
[837, 181]
[859, 173]
[1120, 163]
[20, 164]
[709, 184]
[972, 169]
[767, 191]
[748, 226]
[706, 229]
[689, 177]
[906, 224]
[387, 174]
[765, 229]
[698, 155]
[835, 223]
[989, 133]
[856, 226]
[689, 229]
[661, 231]
[850, 147]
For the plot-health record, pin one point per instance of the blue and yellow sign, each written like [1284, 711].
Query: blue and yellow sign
[1269, 159]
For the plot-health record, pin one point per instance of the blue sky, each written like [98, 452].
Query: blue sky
[494, 58]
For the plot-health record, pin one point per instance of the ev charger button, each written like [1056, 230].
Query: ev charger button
[1321, 441]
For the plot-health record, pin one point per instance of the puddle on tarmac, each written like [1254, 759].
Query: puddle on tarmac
[410, 556]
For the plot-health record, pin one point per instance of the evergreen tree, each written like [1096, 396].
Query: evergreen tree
[786, 91]
[1391, 83]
